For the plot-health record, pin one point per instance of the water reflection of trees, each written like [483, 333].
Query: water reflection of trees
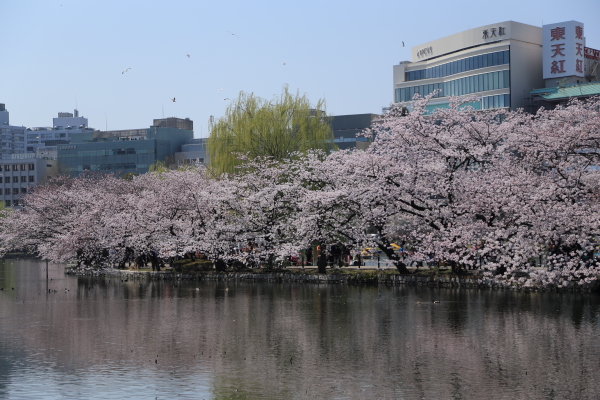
[282, 340]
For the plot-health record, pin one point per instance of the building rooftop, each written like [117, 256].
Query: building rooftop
[568, 91]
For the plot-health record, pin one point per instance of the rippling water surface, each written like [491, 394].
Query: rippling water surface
[103, 338]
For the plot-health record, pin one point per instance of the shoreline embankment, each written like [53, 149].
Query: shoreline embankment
[366, 277]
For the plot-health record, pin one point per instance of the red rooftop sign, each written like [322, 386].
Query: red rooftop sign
[592, 53]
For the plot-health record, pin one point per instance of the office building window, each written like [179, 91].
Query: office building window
[23, 179]
[23, 190]
[459, 87]
[31, 178]
[7, 202]
[15, 179]
[15, 167]
[15, 190]
[31, 167]
[23, 167]
[499, 101]
[458, 66]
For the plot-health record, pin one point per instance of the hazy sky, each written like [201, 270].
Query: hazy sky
[57, 54]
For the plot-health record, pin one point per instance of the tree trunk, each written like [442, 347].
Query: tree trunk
[456, 268]
[154, 262]
[220, 265]
[322, 260]
[395, 258]
[126, 257]
[401, 267]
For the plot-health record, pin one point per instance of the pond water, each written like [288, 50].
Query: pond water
[103, 338]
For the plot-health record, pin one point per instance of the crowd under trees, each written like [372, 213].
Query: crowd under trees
[514, 194]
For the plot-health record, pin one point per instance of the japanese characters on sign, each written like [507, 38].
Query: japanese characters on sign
[425, 52]
[494, 32]
[592, 53]
[563, 49]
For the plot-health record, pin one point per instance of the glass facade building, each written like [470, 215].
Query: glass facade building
[113, 157]
[12, 138]
[347, 128]
[121, 152]
[496, 63]
[459, 87]
[462, 65]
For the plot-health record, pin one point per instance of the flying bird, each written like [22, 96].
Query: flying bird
[188, 55]
[226, 98]
[219, 90]
[125, 70]
[234, 34]
[402, 43]
[173, 99]
[283, 63]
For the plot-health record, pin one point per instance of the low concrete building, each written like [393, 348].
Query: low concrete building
[20, 173]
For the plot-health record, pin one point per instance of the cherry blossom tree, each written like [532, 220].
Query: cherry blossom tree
[513, 193]
[262, 204]
[409, 186]
[495, 186]
[467, 187]
[61, 220]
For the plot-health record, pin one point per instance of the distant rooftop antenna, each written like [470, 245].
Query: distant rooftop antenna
[106, 122]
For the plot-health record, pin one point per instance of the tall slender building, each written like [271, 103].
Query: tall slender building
[12, 138]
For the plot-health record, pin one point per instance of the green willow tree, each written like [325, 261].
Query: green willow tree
[254, 127]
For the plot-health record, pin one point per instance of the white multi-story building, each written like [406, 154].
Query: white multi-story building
[59, 133]
[506, 65]
[500, 63]
[19, 171]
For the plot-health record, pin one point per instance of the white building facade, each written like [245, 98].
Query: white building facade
[499, 63]
[59, 133]
[19, 174]
[20, 171]
[567, 60]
